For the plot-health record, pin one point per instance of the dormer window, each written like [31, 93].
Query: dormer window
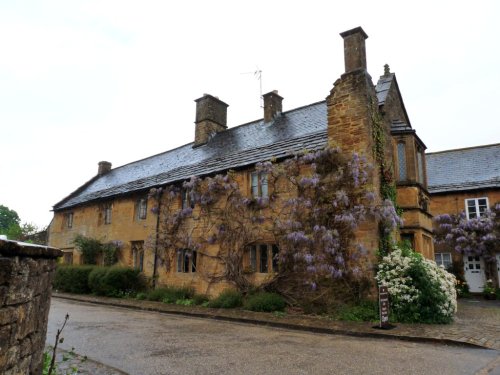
[402, 161]
[259, 187]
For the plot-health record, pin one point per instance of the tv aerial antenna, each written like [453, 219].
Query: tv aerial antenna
[257, 73]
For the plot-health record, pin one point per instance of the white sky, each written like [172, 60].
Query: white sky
[85, 81]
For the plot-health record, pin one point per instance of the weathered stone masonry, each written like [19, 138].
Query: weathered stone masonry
[26, 273]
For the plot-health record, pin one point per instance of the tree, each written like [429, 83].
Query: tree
[8, 218]
[475, 237]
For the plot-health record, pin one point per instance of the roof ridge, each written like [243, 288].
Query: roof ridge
[463, 148]
[227, 130]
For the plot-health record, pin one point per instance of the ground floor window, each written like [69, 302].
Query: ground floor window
[443, 259]
[186, 260]
[67, 257]
[263, 258]
[138, 255]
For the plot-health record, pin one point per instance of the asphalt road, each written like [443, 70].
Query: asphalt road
[145, 343]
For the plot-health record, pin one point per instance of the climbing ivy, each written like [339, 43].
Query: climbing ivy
[387, 183]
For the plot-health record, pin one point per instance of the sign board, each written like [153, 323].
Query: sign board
[383, 302]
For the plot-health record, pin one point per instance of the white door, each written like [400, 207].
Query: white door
[474, 273]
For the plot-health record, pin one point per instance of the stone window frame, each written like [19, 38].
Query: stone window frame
[259, 184]
[141, 208]
[477, 207]
[402, 152]
[137, 255]
[186, 199]
[421, 166]
[108, 212]
[186, 261]
[440, 261]
[256, 263]
[68, 219]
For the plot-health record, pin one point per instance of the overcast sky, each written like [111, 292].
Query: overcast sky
[85, 81]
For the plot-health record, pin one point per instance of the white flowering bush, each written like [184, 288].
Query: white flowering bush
[419, 289]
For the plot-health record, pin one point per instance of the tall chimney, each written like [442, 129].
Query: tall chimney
[354, 49]
[211, 118]
[272, 105]
[104, 167]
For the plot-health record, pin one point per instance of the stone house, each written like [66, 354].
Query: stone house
[115, 205]
[464, 180]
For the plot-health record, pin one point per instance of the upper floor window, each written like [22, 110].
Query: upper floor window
[263, 258]
[420, 162]
[476, 207]
[68, 219]
[186, 260]
[402, 161]
[107, 213]
[186, 199]
[259, 186]
[142, 208]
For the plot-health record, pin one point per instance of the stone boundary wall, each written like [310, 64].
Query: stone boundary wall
[26, 273]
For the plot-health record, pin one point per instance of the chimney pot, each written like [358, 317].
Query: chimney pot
[104, 167]
[211, 118]
[354, 49]
[272, 105]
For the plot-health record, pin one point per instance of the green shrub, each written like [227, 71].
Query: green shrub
[365, 311]
[141, 296]
[419, 290]
[96, 281]
[156, 294]
[228, 299]
[184, 302]
[72, 279]
[264, 301]
[171, 294]
[115, 281]
[200, 299]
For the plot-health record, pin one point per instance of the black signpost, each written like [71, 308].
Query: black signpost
[383, 303]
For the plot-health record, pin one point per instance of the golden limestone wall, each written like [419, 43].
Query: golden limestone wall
[89, 221]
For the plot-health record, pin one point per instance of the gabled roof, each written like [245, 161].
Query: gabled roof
[384, 85]
[464, 169]
[293, 131]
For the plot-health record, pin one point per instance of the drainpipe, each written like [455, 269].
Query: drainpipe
[157, 238]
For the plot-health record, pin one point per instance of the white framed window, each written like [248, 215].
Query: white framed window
[443, 259]
[476, 207]
[259, 185]
[186, 260]
[263, 258]
[142, 208]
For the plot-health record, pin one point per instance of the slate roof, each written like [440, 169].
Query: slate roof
[464, 169]
[244, 145]
[292, 132]
[383, 86]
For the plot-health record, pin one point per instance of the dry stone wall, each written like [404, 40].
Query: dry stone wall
[26, 273]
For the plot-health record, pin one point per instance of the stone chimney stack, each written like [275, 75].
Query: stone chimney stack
[211, 118]
[354, 49]
[104, 167]
[272, 105]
